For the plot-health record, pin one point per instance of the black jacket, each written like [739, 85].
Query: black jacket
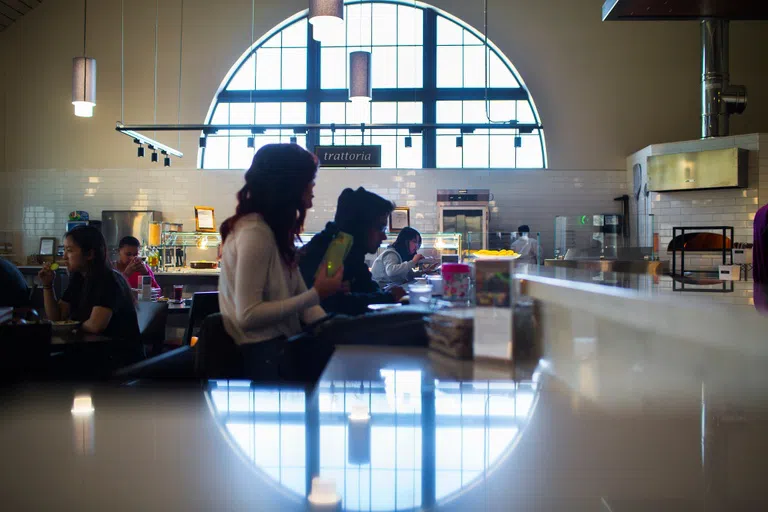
[364, 289]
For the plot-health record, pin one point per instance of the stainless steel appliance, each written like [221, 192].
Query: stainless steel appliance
[465, 212]
[119, 223]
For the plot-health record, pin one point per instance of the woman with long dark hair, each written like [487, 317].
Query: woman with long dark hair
[97, 295]
[262, 295]
[397, 265]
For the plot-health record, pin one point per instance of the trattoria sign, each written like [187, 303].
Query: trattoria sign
[349, 156]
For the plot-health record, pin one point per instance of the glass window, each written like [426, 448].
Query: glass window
[277, 72]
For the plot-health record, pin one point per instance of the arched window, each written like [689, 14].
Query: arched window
[428, 69]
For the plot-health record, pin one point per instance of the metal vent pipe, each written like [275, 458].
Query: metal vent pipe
[719, 99]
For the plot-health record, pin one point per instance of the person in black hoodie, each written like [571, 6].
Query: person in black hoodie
[365, 216]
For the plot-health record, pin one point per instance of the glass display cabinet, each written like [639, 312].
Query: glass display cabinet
[435, 246]
[588, 236]
[186, 250]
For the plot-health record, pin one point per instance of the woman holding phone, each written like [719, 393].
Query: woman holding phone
[262, 295]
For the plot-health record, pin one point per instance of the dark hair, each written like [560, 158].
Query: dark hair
[401, 242]
[90, 240]
[130, 241]
[357, 210]
[523, 229]
[274, 187]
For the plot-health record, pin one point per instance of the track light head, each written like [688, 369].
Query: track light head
[409, 142]
[518, 141]
[167, 161]
[251, 142]
[140, 151]
[201, 143]
[293, 140]
[154, 156]
[459, 141]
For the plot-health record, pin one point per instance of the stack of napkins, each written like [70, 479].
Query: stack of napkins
[450, 332]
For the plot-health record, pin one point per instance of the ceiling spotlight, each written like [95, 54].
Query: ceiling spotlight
[251, 142]
[293, 140]
[154, 156]
[140, 151]
[459, 141]
[167, 161]
[518, 141]
[201, 142]
[409, 142]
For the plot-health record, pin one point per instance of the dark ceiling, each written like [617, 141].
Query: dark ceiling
[12, 10]
[639, 10]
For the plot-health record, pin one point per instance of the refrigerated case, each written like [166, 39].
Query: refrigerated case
[465, 212]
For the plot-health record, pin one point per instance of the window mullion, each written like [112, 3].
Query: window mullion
[429, 105]
[313, 89]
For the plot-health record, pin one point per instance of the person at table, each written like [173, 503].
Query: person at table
[365, 216]
[14, 292]
[399, 263]
[97, 295]
[130, 265]
[262, 296]
[525, 246]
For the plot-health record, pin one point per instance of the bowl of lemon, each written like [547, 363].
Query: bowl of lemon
[504, 254]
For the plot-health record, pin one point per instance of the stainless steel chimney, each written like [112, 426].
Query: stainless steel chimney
[719, 99]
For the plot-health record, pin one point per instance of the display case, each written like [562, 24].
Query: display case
[594, 236]
[187, 250]
[433, 245]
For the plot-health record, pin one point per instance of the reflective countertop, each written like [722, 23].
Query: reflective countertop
[609, 427]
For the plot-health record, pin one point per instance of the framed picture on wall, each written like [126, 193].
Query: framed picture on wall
[47, 248]
[399, 218]
[204, 219]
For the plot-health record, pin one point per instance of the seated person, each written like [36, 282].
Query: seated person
[262, 297]
[97, 295]
[14, 292]
[760, 246]
[130, 265]
[365, 216]
[397, 265]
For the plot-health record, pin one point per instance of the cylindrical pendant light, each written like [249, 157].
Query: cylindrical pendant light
[84, 76]
[326, 17]
[360, 76]
[84, 86]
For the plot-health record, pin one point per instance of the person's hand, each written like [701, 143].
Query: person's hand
[326, 286]
[136, 265]
[46, 275]
[416, 259]
[397, 292]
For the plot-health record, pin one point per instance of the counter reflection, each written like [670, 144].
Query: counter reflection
[400, 443]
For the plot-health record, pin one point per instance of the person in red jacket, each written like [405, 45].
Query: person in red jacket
[130, 265]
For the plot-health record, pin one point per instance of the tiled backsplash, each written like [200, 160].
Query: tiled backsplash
[727, 207]
[38, 201]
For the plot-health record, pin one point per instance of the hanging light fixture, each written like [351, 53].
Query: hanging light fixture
[360, 76]
[326, 17]
[84, 77]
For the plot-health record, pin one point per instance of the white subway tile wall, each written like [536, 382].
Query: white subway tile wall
[37, 202]
[731, 207]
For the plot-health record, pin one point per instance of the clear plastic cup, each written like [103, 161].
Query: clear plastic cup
[420, 294]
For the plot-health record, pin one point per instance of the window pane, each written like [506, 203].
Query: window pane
[475, 112]
[296, 34]
[472, 40]
[388, 149]
[221, 116]
[502, 110]
[384, 24]
[216, 154]
[525, 112]
[293, 113]
[529, 155]
[409, 158]
[475, 151]
[501, 76]
[241, 113]
[358, 18]
[294, 68]
[337, 38]
[502, 152]
[332, 113]
[409, 112]
[273, 42]
[448, 155]
[448, 32]
[384, 112]
[384, 67]
[268, 113]
[410, 25]
[240, 155]
[449, 112]
[268, 68]
[244, 79]
[333, 68]
[449, 66]
[409, 66]
[474, 66]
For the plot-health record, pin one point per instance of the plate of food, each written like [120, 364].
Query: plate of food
[504, 254]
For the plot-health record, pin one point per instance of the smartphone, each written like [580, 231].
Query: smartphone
[337, 252]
